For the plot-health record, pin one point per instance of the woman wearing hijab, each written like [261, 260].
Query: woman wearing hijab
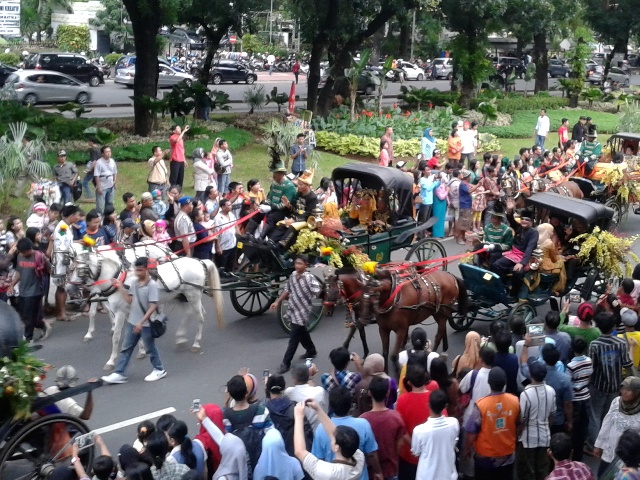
[275, 461]
[470, 358]
[233, 461]
[214, 413]
[427, 144]
[373, 367]
[551, 261]
[624, 414]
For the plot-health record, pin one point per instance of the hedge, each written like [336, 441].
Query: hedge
[515, 104]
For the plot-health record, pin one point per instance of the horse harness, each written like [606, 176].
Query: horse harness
[419, 282]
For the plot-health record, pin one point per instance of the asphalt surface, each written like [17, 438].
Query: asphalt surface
[257, 343]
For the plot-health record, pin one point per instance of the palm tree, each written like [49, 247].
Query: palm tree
[19, 157]
[352, 75]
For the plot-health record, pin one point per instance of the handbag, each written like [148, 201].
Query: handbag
[157, 322]
[76, 191]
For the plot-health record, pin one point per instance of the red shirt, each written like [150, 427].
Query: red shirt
[414, 409]
[177, 148]
[563, 135]
[433, 163]
[388, 428]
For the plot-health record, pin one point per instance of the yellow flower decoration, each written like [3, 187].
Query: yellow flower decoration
[326, 251]
[88, 241]
[369, 267]
[64, 227]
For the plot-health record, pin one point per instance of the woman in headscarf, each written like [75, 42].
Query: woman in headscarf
[233, 461]
[275, 461]
[213, 413]
[427, 144]
[373, 367]
[147, 229]
[331, 217]
[624, 414]
[470, 358]
[552, 262]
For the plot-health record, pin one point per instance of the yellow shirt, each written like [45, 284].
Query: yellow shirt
[634, 346]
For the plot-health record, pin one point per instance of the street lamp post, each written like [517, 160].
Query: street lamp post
[413, 33]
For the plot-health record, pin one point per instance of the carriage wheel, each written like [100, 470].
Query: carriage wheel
[317, 312]
[461, 323]
[617, 213]
[42, 445]
[251, 303]
[427, 249]
[525, 311]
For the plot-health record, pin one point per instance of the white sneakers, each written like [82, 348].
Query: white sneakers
[155, 375]
[116, 378]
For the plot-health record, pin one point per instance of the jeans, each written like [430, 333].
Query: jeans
[581, 411]
[104, 198]
[65, 193]
[540, 141]
[600, 403]
[270, 68]
[223, 183]
[87, 185]
[130, 341]
[157, 186]
[299, 335]
[176, 173]
[30, 309]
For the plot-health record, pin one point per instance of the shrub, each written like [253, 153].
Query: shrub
[73, 38]
[10, 58]
[412, 96]
[112, 58]
[517, 103]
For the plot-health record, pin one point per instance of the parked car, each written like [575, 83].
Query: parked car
[594, 73]
[127, 61]
[618, 75]
[46, 86]
[442, 68]
[72, 64]
[557, 68]
[232, 71]
[168, 77]
[507, 65]
[5, 71]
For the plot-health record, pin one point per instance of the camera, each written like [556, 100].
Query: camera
[195, 406]
[85, 441]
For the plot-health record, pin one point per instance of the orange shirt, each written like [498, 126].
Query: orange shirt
[497, 436]
[454, 148]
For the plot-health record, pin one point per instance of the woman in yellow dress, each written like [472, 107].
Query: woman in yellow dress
[552, 262]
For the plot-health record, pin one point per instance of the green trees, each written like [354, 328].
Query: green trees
[73, 38]
[352, 74]
[114, 20]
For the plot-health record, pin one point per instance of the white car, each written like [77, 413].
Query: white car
[168, 77]
[410, 72]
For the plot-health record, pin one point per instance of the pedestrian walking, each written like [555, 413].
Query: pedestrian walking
[542, 128]
[296, 70]
[143, 298]
[300, 290]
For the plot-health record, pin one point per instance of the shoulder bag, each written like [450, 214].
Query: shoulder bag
[157, 321]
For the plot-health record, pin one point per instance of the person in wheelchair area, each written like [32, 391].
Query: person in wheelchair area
[67, 377]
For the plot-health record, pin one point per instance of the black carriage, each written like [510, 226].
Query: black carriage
[489, 297]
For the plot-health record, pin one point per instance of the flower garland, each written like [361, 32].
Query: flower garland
[21, 379]
[328, 250]
[609, 253]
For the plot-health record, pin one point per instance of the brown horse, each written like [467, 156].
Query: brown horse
[399, 301]
[567, 188]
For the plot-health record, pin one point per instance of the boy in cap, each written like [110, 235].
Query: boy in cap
[127, 234]
[66, 176]
[67, 377]
[183, 228]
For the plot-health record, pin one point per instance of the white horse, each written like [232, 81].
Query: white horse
[181, 278]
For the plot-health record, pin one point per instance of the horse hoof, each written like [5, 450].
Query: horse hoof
[87, 338]
[195, 349]
[108, 367]
[141, 355]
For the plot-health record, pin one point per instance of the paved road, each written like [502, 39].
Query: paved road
[257, 343]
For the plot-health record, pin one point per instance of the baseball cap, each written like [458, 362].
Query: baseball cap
[62, 153]
[537, 369]
[66, 377]
[628, 317]
[129, 223]
[146, 196]
[184, 200]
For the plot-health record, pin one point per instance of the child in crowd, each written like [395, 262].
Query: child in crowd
[624, 293]
[80, 227]
[145, 429]
[580, 369]
[160, 234]
[37, 218]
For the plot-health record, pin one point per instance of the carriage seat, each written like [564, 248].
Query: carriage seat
[484, 284]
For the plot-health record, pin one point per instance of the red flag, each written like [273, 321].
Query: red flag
[292, 98]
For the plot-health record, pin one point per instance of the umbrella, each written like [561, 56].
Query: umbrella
[292, 98]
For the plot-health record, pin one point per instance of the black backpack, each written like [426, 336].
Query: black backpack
[284, 423]
[251, 437]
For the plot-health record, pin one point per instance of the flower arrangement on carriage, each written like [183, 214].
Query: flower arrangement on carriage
[623, 182]
[608, 252]
[327, 250]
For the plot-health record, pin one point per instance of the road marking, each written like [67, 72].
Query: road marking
[133, 421]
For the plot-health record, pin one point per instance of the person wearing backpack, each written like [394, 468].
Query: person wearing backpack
[249, 422]
[31, 266]
[281, 412]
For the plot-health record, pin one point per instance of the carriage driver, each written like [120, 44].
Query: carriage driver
[498, 236]
[516, 260]
[274, 208]
[62, 244]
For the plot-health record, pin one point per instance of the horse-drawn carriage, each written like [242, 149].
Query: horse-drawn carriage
[489, 297]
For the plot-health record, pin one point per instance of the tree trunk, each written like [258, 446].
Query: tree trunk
[339, 59]
[313, 79]
[213, 42]
[519, 47]
[376, 47]
[404, 40]
[542, 62]
[619, 46]
[146, 20]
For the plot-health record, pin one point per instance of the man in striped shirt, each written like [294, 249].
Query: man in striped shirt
[609, 355]
[301, 288]
[537, 407]
[580, 368]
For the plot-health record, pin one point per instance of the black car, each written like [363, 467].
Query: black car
[232, 71]
[506, 65]
[557, 68]
[72, 64]
[5, 71]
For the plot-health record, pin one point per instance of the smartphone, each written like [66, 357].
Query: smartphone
[308, 362]
[85, 441]
[266, 373]
[195, 406]
[536, 332]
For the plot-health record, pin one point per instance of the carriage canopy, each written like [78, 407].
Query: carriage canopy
[591, 213]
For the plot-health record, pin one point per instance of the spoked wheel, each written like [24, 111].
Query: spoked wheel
[251, 303]
[618, 212]
[40, 446]
[317, 312]
[461, 323]
[427, 249]
[524, 311]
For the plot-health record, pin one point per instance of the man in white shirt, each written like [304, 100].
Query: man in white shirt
[106, 175]
[477, 381]
[183, 227]
[226, 241]
[271, 61]
[301, 391]
[67, 377]
[62, 246]
[542, 128]
[468, 139]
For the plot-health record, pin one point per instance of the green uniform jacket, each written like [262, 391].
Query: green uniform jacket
[279, 190]
[501, 236]
[591, 148]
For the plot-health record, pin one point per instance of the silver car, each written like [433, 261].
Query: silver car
[618, 75]
[44, 86]
[168, 77]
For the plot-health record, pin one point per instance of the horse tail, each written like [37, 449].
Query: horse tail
[216, 292]
[463, 297]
